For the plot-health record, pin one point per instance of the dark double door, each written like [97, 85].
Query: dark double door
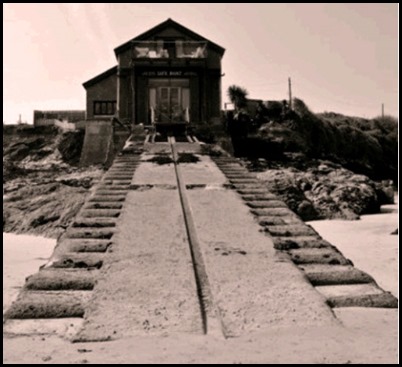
[169, 101]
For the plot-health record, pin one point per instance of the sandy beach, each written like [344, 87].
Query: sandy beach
[368, 243]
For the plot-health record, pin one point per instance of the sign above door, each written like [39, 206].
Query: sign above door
[169, 73]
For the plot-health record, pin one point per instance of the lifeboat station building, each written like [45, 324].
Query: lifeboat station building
[168, 75]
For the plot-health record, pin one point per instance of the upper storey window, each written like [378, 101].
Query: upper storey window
[169, 49]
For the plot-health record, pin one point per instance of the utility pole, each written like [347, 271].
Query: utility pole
[382, 111]
[290, 94]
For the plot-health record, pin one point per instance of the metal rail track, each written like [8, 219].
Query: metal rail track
[210, 314]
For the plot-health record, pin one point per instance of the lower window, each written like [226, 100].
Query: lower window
[104, 108]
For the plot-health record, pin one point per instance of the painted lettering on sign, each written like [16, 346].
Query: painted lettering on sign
[169, 73]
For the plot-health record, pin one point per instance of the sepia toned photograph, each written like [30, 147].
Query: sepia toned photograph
[195, 183]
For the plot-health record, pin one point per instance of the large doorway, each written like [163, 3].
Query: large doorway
[169, 101]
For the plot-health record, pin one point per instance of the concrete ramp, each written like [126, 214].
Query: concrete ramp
[98, 143]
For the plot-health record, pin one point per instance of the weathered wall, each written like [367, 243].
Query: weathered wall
[98, 142]
[45, 122]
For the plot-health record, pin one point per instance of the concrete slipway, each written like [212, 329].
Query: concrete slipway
[148, 284]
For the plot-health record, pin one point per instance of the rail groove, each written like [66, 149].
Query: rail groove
[212, 321]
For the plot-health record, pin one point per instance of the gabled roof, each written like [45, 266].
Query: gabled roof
[99, 77]
[160, 27]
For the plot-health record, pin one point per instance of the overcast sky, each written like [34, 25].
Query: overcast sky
[341, 57]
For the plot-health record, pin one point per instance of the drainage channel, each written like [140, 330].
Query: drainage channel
[63, 287]
[323, 264]
[211, 318]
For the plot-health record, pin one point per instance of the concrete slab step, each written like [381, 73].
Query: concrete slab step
[254, 191]
[107, 198]
[275, 220]
[266, 204]
[289, 230]
[133, 160]
[295, 242]
[61, 279]
[127, 160]
[48, 304]
[225, 159]
[99, 222]
[116, 182]
[108, 187]
[114, 176]
[259, 197]
[102, 192]
[127, 157]
[279, 212]
[103, 205]
[124, 174]
[318, 256]
[121, 171]
[230, 165]
[237, 172]
[90, 232]
[78, 260]
[234, 175]
[320, 275]
[243, 186]
[87, 244]
[244, 180]
[95, 211]
[126, 163]
[349, 290]
[123, 167]
[381, 300]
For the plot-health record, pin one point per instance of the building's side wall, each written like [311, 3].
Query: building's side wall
[44, 122]
[104, 90]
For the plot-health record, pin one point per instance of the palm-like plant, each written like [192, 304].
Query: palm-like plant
[238, 96]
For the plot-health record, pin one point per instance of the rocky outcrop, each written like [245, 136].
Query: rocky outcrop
[42, 190]
[45, 202]
[35, 147]
[325, 190]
